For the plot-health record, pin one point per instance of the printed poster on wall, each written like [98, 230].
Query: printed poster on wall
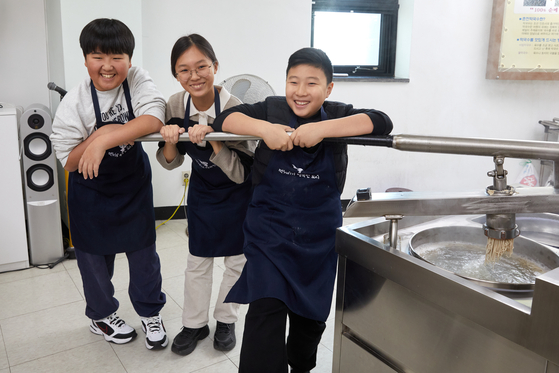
[530, 36]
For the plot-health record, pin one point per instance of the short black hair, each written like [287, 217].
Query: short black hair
[313, 57]
[185, 43]
[109, 36]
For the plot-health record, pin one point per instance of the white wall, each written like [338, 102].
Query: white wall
[76, 14]
[23, 47]
[447, 95]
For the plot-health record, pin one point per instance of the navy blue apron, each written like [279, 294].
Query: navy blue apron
[290, 232]
[113, 212]
[216, 205]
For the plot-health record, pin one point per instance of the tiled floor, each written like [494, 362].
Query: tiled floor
[43, 327]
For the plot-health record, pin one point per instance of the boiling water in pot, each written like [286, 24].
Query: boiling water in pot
[468, 260]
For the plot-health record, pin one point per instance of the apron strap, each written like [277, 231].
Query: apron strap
[128, 100]
[217, 104]
[97, 109]
[293, 121]
[95, 100]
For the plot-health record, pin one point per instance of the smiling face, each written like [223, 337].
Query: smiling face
[306, 89]
[201, 88]
[107, 71]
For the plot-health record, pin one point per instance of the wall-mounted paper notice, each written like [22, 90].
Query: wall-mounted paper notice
[524, 40]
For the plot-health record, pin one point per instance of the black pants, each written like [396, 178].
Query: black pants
[264, 348]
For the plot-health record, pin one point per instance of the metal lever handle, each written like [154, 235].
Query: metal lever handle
[213, 136]
[224, 136]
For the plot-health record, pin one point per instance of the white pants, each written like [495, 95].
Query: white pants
[198, 282]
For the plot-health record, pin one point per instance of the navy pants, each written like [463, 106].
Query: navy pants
[264, 348]
[144, 288]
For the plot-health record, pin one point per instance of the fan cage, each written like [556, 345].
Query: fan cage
[248, 88]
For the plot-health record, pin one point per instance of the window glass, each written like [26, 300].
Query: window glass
[359, 36]
[348, 38]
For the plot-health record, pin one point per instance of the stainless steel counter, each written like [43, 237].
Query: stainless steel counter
[397, 313]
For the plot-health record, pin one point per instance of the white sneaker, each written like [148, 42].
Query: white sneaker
[114, 329]
[156, 337]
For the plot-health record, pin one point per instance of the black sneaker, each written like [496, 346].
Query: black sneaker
[185, 342]
[224, 337]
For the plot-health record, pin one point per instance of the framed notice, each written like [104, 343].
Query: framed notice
[524, 40]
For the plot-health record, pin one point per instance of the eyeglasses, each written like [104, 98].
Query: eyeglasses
[201, 71]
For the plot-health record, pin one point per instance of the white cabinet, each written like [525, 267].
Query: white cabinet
[13, 236]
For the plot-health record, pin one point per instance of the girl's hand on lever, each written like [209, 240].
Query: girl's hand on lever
[171, 133]
[197, 133]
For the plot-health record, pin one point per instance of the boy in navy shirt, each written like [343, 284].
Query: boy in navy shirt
[295, 210]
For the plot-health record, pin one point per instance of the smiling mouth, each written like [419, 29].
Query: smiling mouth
[108, 76]
[197, 86]
[302, 103]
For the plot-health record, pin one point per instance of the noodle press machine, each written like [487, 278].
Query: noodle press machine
[398, 313]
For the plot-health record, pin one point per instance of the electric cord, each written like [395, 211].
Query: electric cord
[52, 265]
[42, 266]
[186, 179]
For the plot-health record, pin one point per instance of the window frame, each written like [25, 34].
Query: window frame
[388, 9]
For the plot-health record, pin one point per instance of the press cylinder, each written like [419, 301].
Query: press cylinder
[501, 226]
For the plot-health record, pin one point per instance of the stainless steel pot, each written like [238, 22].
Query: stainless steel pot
[461, 250]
